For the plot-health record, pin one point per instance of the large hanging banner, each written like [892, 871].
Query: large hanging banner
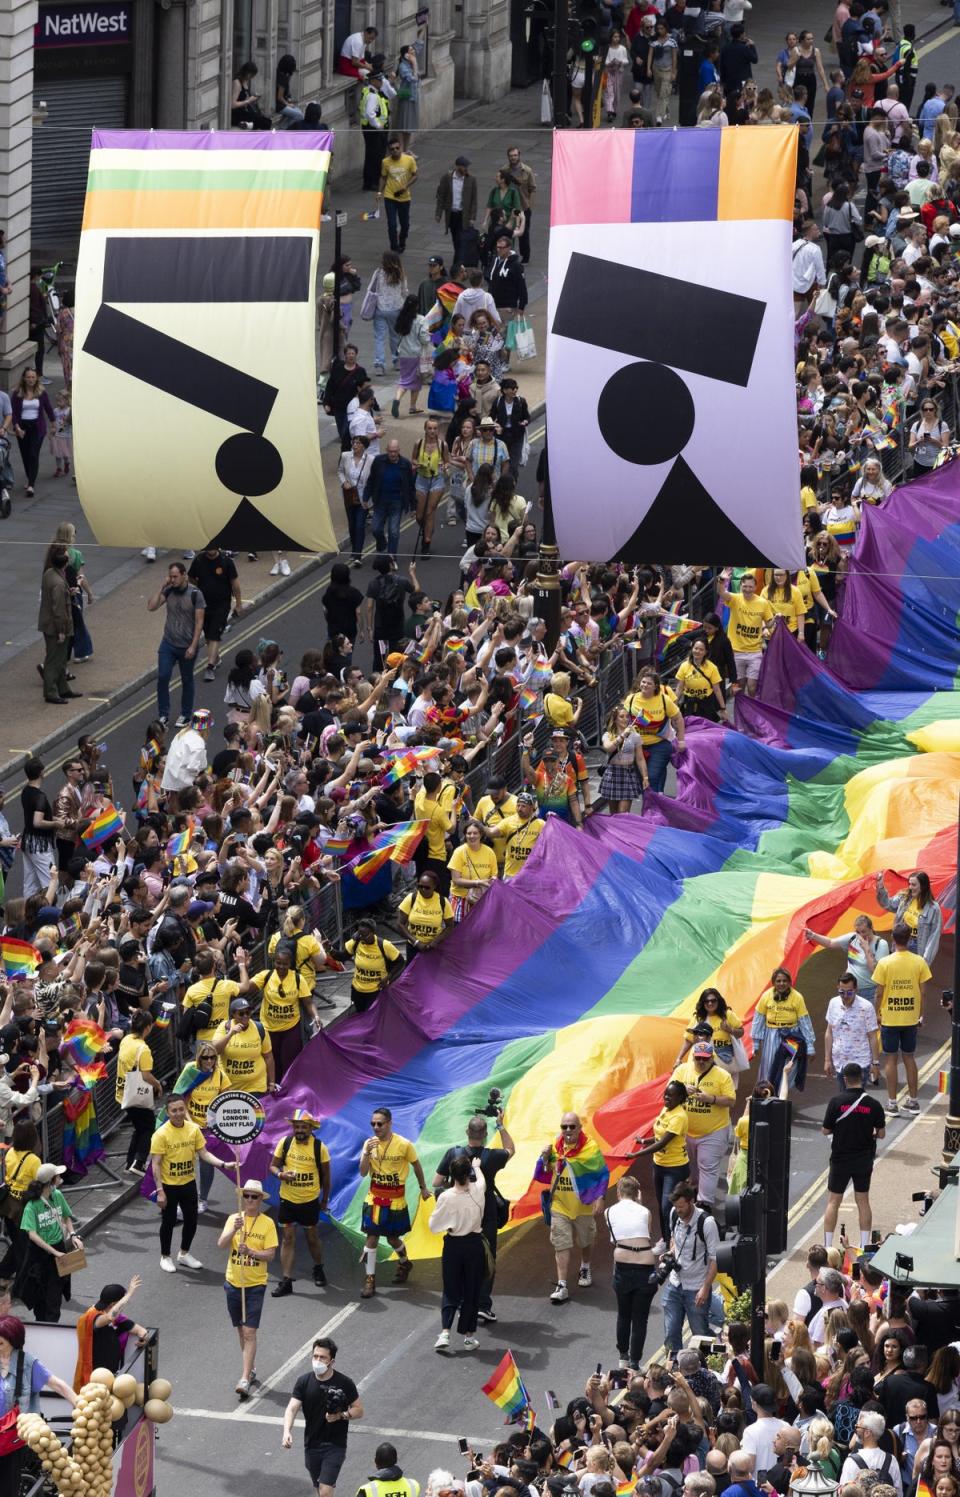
[670, 391]
[195, 396]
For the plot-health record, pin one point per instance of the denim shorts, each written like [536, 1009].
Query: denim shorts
[254, 1305]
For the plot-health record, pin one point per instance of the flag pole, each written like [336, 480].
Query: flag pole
[243, 1287]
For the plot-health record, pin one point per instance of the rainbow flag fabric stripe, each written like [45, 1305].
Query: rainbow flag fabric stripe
[180, 843]
[83, 1043]
[838, 769]
[19, 957]
[627, 1488]
[107, 823]
[505, 1388]
[586, 1167]
[397, 843]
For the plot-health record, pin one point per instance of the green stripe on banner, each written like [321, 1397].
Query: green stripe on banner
[122, 180]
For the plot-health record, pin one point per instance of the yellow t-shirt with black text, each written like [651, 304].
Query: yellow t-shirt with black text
[133, 1055]
[198, 1100]
[302, 1159]
[282, 998]
[705, 1117]
[242, 1058]
[746, 621]
[901, 975]
[491, 815]
[426, 917]
[721, 1034]
[177, 1149]
[390, 1165]
[782, 1013]
[672, 1120]
[791, 611]
[438, 824]
[221, 994]
[698, 680]
[370, 963]
[519, 840]
[469, 864]
[260, 1233]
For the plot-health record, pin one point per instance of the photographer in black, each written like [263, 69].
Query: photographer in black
[329, 1401]
[491, 1162]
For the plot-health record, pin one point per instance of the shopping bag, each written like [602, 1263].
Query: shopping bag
[546, 104]
[524, 341]
[510, 334]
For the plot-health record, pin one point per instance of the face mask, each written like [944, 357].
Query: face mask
[320, 1366]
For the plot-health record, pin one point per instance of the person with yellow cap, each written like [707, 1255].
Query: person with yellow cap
[302, 1165]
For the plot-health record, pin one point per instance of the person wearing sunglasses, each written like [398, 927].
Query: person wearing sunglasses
[252, 1238]
[387, 1159]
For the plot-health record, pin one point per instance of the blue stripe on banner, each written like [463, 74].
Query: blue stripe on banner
[676, 176]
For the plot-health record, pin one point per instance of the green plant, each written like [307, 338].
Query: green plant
[740, 1307]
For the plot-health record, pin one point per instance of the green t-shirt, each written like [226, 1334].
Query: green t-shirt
[46, 1218]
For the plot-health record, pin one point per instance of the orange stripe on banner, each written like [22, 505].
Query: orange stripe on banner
[758, 172]
[202, 210]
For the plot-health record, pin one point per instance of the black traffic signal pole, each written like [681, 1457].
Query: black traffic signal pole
[759, 1158]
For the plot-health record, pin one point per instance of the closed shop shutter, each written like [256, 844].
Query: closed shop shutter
[61, 152]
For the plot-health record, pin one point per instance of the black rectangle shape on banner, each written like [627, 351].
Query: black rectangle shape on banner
[649, 316]
[243, 268]
[179, 370]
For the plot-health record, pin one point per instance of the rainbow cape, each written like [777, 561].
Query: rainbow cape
[19, 956]
[82, 1144]
[396, 843]
[585, 1165]
[107, 823]
[505, 1388]
[564, 988]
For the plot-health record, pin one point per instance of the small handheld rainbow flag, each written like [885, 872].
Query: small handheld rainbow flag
[19, 956]
[565, 1459]
[406, 762]
[627, 1488]
[107, 823]
[529, 697]
[672, 625]
[180, 843]
[367, 218]
[541, 673]
[943, 1083]
[396, 843]
[336, 845]
[456, 646]
[505, 1388]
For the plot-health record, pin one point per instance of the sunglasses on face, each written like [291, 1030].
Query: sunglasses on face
[249, 1195]
[377, 1125]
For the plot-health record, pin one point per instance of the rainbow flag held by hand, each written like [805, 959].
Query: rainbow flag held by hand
[180, 843]
[627, 1488]
[529, 697]
[456, 646]
[19, 957]
[396, 844]
[82, 1144]
[672, 626]
[336, 845]
[505, 1388]
[943, 1083]
[83, 1044]
[541, 673]
[107, 823]
[565, 1459]
[406, 762]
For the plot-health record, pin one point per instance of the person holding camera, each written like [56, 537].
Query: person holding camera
[495, 1208]
[688, 1268]
[329, 1400]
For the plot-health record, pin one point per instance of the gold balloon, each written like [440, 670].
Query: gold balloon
[158, 1410]
[159, 1388]
[125, 1386]
[117, 1409]
[102, 1375]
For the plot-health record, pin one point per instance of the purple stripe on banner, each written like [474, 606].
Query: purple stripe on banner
[212, 140]
[676, 176]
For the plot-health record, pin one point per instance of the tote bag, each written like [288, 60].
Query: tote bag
[137, 1092]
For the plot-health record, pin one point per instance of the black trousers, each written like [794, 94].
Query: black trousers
[456, 229]
[523, 240]
[38, 333]
[635, 1288]
[31, 445]
[184, 1196]
[464, 1268]
[374, 150]
[142, 1121]
[486, 1288]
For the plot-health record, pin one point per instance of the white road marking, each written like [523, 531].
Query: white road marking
[295, 1360]
[443, 1437]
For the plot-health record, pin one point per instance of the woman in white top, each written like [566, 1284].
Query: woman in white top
[353, 471]
[458, 1214]
[711, 114]
[634, 1280]
[616, 60]
[872, 487]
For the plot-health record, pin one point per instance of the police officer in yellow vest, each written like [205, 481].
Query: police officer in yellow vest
[374, 108]
[388, 1480]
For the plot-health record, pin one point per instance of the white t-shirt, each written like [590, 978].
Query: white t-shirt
[353, 47]
[758, 1438]
[627, 1220]
[850, 1029]
[816, 1326]
[874, 1458]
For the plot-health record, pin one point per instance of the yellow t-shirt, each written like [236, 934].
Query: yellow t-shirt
[396, 174]
[746, 621]
[469, 864]
[19, 1168]
[808, 499]
[519, 838]
[390, 1165]
[806, 590]
[901, 975]
[721, 1034]
[425, 917]
[370, 963]
[280, 1009]
[302, 1158]
[792, 611]
[705, 1117]
[782, 1013]
[223, 995]
[244, 1272]
[177, 1149]
[438, 824]
[307, 946]
[672, 1120]
[565, 1201]
[910, 915]
[204, 1093]
[133, 1055]
[558, 710]
[651, 712]
[242, 1058]
[742, 1131]
[698, 680]
[490, 814]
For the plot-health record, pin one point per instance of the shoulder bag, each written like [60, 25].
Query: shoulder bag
[137, 1092]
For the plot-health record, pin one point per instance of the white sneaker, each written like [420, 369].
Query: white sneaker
[168, 1265]
[585, 1277]
[243, 1387]
[560, 1295]
[275, 569]
[188, 1260]
[202, 1207]
[623, 1364]
[470, 1343]
[442, 1342]
[910, 1104]
[285, 569]
[149, 553]
[891, 1107]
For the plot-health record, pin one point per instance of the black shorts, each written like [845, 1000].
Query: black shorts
[855, 1167]
[301, 1213]
[323, 1463]
[215, 620]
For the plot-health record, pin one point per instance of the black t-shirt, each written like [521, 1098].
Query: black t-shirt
[853, 1118]
[224, 762]
[33, 801]
[313, 1393]
[312, 723]
[107, 1351]
[388, 617]
[896, 1391]
[491, 1162]
[340, 604]
[132, 982]
[937, 1321]
[213, 576]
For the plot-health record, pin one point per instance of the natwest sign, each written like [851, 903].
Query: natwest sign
[103, 24]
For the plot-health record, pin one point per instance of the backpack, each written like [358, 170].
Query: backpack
[197, 1017]
[285, 1150]
[858, 1460]
[391, 593]
[701, 1235]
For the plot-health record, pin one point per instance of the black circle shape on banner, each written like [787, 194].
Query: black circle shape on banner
[646, 414]
[248, 464]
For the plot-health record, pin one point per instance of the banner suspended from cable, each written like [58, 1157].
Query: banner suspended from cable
[672, 410]
[195, 396]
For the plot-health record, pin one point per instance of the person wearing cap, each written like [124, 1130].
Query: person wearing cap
[185, 608]
[252, 1238]
[373, 107]
[554, 782]
[711, 1094]
[456, 203]
[427, 289]
[47, 1223]
[245, 1049]
[301, 1162]
[486, 448]
[174, 1150]
[100, 1329]
[517, 833]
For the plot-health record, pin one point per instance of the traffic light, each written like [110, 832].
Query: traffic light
[775, 1168]
[744, 1258]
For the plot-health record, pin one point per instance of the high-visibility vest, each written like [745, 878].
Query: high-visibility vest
[402, 1487]
[383, 108]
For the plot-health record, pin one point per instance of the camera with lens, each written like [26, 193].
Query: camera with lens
[665, 1267]
[337, 1400]
[494, 1102]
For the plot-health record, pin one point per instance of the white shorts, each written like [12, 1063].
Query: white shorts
[748, 664]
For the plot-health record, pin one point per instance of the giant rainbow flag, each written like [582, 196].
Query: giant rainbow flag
[569, 986]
